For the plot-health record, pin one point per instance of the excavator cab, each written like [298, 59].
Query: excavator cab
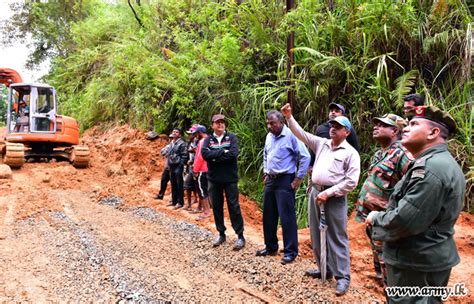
[31, 109]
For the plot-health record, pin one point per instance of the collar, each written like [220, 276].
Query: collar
[343, 145]
[284, 132]
[395, 145]
[222, 136]
[433, 150]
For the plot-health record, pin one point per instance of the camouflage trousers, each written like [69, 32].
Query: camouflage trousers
[379, 263]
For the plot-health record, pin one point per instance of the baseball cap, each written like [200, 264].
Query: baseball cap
[200, 128]
[343, 121]
[218, 117]
[339, 106]
[392, 120]
[192, 129]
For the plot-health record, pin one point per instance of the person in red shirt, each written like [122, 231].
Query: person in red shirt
[200, 172]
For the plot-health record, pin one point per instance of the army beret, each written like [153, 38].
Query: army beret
[435, 114]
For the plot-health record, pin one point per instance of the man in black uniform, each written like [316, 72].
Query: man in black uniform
[417, 227]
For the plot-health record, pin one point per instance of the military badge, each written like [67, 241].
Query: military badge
[418, 173]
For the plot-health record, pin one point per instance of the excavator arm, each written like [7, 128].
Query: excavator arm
[9, 76]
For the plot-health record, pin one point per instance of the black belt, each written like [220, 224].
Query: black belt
[320, 187]
[277, 175]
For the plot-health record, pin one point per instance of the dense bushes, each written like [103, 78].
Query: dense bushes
[189, 59]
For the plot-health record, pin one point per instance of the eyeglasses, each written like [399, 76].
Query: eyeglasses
[336, 126]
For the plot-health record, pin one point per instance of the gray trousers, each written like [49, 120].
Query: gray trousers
[338, 260]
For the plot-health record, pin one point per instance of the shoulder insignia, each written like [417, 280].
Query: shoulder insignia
[418, 173]
[421, 161]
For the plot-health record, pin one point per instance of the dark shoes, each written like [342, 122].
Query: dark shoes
[219, 240]
[287, 259]
[342, 287]
[239, 244]
[159, 196]
[315, 273]
[265, 252]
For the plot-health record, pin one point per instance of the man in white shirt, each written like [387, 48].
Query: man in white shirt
[335, 173]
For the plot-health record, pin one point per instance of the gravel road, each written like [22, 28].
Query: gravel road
[91, 251]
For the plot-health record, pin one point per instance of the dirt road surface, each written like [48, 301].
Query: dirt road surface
[97, 234]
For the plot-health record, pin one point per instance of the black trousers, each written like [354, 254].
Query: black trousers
[216, 195]
[409, 277]
[177, 190]
[279, 202]
[165, 178]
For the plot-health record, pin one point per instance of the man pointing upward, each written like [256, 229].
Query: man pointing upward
[335, 173]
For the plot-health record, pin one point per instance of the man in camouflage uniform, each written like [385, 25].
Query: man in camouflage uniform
[387, 167]
[417, 227]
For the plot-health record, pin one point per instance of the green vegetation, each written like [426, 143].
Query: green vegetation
[177, 62]
[3, 105]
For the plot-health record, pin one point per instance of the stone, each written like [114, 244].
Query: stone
[5, 172]
[114, 170]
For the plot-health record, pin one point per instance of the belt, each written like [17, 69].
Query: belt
[277, 175]
[320, 187]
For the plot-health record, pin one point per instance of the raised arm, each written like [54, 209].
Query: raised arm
[312, 141]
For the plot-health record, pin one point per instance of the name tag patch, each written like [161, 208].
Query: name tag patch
[418, 173]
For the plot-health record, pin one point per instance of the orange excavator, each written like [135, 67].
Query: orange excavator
[33, 128]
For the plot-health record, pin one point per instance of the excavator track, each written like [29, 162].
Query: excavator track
[80, 156]
[14, 155]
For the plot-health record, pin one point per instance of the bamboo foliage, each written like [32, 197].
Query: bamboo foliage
[191, 59]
